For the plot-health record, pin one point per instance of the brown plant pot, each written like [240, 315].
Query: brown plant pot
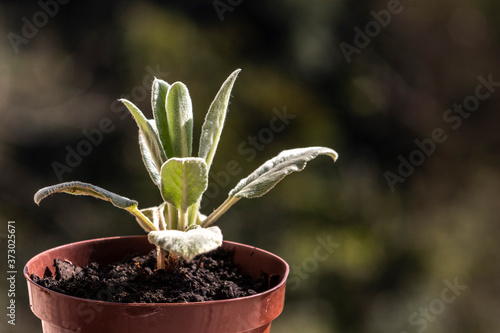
[60, 313]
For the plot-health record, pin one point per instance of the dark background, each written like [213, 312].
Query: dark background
[399, 244]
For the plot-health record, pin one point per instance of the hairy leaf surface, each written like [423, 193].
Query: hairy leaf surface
[79, 188]
[180, 120]
[152, 140]
[183, 181]
[214, 120]
[159, 92]
[273, 171]
[187, 244]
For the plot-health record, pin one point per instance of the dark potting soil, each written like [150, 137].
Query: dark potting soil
[214, 276]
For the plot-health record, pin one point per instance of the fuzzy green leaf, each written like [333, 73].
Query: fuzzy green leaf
[159, 92]
[150, 135]
[187, 244]
[148, 158]
[214, 120]
[183, 181]
[180, 120]
[79, 188]
[273, 171]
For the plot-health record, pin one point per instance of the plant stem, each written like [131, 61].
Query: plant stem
[183, 220]
[162, 225]
[144, 222]
[193, 213]
[160, 258]
[219, 211]
[171, 263]
[172, 217]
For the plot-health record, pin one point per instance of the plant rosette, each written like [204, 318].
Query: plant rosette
[176, 227]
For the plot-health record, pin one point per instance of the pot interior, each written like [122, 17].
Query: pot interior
[252, 261]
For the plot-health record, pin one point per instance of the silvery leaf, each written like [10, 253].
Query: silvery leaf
[148, 158]
[152, 140]
[159, 92]
[187, 244]
[214, 120]
[273, 171]
[79, 188]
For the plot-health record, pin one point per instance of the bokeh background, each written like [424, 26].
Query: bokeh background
[398, 245]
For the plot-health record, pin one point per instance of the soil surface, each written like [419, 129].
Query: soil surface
[212, 276]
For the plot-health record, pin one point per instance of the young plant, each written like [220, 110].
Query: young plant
[176, 227]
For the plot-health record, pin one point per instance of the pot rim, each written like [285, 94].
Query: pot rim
[188, 304]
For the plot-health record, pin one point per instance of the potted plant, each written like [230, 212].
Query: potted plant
[176, 229]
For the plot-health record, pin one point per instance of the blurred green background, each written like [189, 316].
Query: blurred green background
[399, 246]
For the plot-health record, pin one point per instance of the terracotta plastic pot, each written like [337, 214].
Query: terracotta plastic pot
[60, 313]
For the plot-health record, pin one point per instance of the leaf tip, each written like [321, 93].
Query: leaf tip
[335, 156]
[37, 199]
[234, 75]
[40, 195]
[327, 151]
